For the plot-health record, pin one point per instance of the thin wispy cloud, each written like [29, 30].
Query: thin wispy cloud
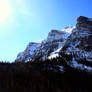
[23, 8]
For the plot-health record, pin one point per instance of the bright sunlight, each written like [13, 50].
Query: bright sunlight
[5, 10]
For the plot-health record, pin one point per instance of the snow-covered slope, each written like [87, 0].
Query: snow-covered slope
[28, 52]
[42, 50]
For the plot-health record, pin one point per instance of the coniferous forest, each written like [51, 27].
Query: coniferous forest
[43, 76]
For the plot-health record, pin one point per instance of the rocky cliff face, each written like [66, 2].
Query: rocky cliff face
[79, 43]
[44, 49]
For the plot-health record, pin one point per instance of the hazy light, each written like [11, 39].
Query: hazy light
[5, 10]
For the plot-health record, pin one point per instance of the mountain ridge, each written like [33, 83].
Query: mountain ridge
[55, 39]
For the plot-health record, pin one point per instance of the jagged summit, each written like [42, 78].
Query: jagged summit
[83, 19]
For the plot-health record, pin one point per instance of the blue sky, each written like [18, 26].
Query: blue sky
[24, 21]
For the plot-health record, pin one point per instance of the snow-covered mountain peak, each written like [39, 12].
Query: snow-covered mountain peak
[60, 34]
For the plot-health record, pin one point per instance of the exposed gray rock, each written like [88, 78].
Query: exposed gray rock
[79, 43]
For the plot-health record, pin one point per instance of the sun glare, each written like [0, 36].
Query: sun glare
[5, 10]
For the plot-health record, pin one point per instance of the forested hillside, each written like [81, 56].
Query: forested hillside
[53, 75]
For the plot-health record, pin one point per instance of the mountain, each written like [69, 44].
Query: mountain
[75, 43]
[46, 48]
[79, 44]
